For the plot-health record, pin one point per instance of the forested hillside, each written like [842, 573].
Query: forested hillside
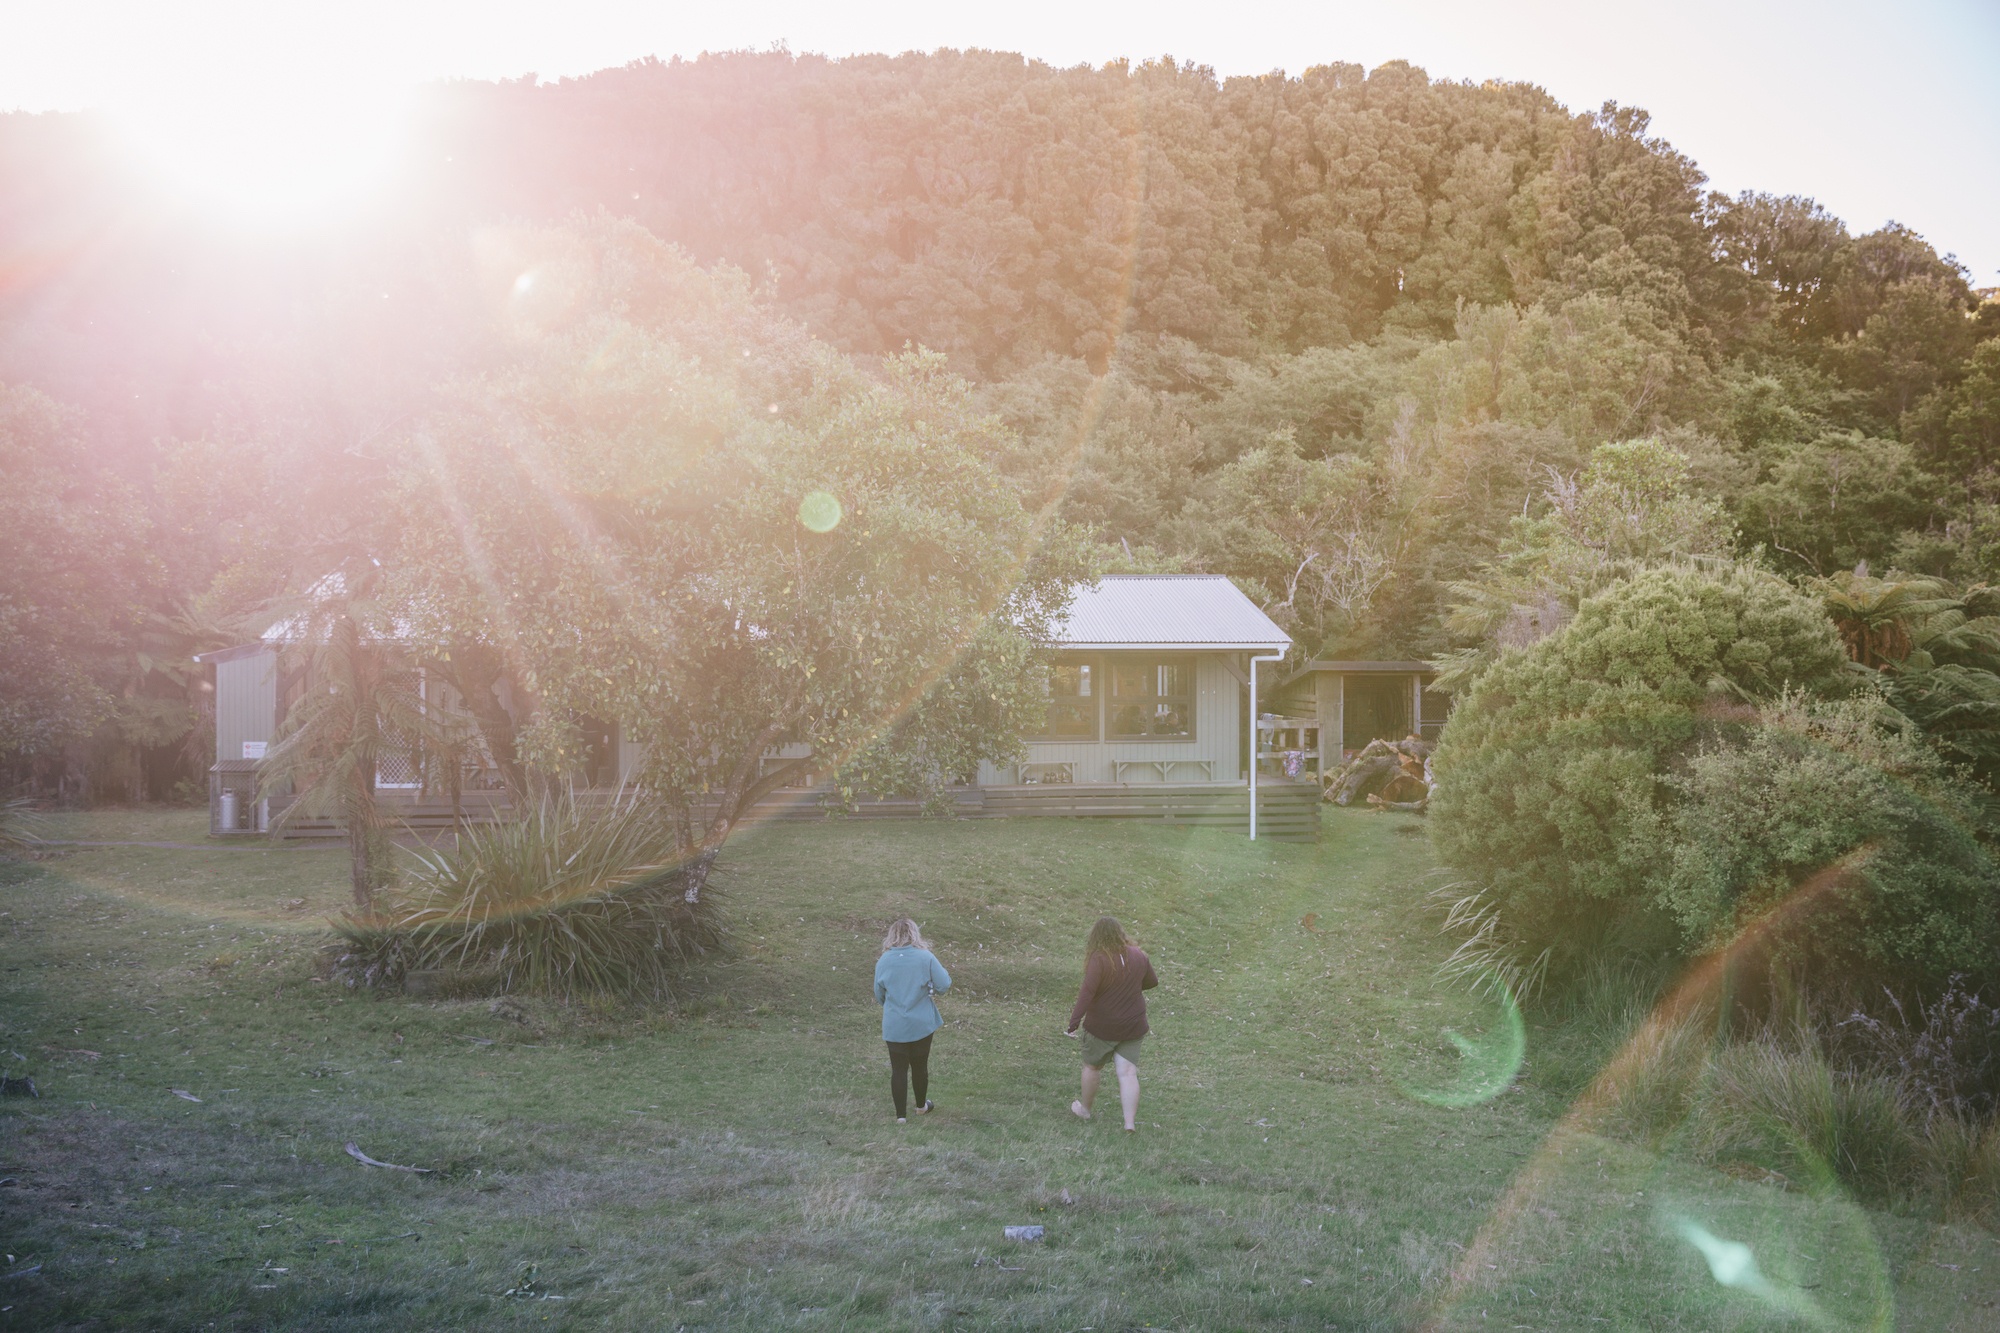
[1356, 338]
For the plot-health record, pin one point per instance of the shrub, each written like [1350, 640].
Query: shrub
[566, 900]
[1552, 776]
[1854, 827]
[1948, 1055]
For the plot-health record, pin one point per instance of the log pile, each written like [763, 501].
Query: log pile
[1392, 775]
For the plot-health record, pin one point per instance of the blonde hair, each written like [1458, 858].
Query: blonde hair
[903, 934]
[1108, 938]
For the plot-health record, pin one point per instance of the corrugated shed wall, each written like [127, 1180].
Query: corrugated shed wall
[246, 702]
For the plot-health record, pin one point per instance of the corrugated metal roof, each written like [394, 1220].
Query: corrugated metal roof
[1168, 611]
[240, 650]
[1355, 667]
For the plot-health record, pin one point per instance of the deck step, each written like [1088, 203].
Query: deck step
[1286, 812]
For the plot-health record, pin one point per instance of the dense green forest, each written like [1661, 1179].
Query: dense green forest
[1418, 363]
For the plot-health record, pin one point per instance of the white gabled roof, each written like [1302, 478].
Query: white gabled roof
[1168, 612]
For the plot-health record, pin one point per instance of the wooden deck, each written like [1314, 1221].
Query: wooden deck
[1286, 811]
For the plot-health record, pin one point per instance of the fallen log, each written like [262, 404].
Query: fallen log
[1378, 764]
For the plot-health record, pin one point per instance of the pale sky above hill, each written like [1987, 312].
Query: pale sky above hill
[1878, 110]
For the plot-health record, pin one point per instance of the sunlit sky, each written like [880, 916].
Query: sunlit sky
[1878, 110]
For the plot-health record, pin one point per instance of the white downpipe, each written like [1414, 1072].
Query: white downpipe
[1254, 660]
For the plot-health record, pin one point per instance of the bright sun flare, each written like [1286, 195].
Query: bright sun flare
[269, 158]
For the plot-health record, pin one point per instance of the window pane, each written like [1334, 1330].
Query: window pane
[1072, 705]
[1152, 699]
[1070, 680]
[1072, 719]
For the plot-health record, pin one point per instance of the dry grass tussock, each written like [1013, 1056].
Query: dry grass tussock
[570, 900]
[1777, 1107]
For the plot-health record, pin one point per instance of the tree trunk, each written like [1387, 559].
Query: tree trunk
[694, 877]
[361, 837]
[743, 790]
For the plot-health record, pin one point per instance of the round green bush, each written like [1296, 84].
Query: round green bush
[1555, 776]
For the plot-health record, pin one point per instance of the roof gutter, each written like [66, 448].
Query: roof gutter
[1163, 646]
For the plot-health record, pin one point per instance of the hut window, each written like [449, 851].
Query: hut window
[1072, 702]
[1152, 698]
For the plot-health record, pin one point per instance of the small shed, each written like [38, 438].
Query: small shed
[247, 713]
[1353, 703]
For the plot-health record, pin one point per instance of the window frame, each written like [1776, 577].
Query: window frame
[1153, 661]
[1095, 665]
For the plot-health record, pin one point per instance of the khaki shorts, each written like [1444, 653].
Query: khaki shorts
[1096, 1050]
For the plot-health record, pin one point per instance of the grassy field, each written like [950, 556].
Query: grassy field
[731, 1161]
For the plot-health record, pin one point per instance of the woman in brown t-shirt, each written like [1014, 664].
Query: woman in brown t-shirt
[1112, 1009]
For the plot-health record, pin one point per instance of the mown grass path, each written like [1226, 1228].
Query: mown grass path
[730, 1162]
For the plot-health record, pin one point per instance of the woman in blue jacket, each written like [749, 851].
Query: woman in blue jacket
[906, 976]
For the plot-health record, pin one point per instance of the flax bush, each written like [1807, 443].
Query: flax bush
[570, 899]
[20, 829]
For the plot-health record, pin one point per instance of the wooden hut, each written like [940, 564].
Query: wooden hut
[1348, 704]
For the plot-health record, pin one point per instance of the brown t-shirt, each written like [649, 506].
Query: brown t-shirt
[1112, 1004]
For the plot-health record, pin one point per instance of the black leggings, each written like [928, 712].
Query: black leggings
[909, 1060]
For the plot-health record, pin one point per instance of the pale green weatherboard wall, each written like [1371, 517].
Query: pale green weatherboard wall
[1216, 736]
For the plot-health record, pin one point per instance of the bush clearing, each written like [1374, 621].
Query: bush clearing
[728, 1160]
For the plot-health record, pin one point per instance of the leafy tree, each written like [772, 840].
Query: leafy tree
[1915, 337]
[1837, 500]
[677, 512]
[1870, 273]
[1630, 507]
[72, 583]
[1108, 453]
[1298, 531]
[1955, 429]
[1554, 774]
[1789, 248]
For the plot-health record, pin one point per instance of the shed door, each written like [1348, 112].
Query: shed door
[1378, 708]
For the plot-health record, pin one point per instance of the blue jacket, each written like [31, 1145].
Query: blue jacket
[905, 980]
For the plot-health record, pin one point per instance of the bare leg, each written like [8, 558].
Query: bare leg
[1128, 1090]
[1090, 1077]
